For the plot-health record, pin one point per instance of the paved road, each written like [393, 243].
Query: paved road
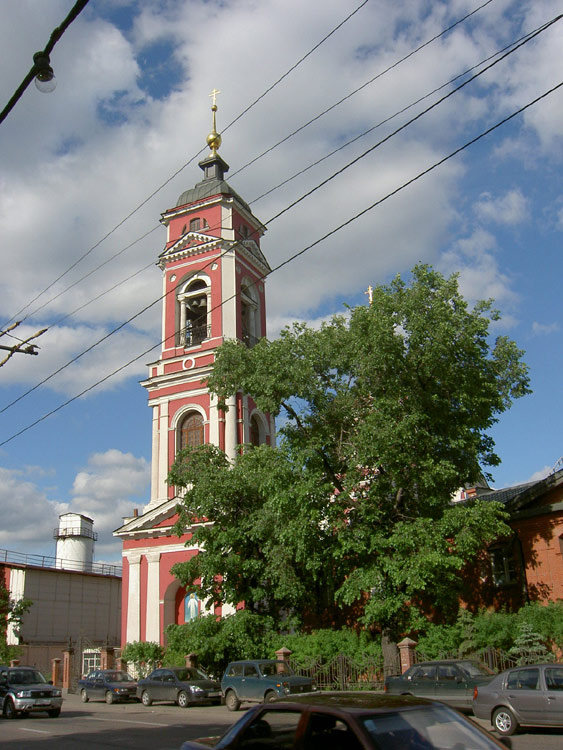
[96, 726]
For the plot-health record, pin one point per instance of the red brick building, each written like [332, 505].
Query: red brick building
[528, 566]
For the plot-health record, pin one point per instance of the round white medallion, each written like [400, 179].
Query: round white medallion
[188, 363]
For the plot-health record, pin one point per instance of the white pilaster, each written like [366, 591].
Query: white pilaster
[133, 631]
[153, 597]
[154, 463]
[213, 420]
[163, 452]
[231, 428]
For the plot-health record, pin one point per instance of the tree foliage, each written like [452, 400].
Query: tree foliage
[144, 656]
[12, 612]
[384, 414]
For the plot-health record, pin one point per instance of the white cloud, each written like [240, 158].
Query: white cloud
[34, 527]
[544, 329]
[510, 208]
[106, 490]
[480, 277]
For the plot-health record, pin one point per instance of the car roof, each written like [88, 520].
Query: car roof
[257, 661]
[360, 701]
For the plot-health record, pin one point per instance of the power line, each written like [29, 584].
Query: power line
[177, 172]
[514, 48]
[271, 190]
[380, 74]
[306, 249]
[53, 39]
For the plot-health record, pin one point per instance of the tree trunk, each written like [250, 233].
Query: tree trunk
[391, 661]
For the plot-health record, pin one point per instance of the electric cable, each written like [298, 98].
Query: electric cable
[177, 172]
[291, 205]
[305, 249]
[410, 54]
[281, 184]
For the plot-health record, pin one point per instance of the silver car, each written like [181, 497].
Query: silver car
[530, 696]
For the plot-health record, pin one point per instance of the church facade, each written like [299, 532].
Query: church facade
[213, 274]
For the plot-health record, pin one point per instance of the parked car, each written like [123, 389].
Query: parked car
[451, 681]
[351, 721]
[523, 696]
[24, 689]
[182, 685]
[261, 680]
[109, 685]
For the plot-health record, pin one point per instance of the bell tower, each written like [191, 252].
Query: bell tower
[213, 289]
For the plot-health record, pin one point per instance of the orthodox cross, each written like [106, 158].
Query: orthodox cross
[369, 293]
[214, 95]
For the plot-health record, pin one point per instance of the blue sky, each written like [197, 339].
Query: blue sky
[130, 114]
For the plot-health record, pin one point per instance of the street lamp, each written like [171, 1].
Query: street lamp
[45, 80]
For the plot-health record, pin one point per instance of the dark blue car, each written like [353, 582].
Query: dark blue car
[107, 684]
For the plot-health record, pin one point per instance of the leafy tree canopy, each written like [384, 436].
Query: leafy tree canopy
[384, 413]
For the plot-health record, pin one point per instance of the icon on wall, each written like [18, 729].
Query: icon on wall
[191, 607]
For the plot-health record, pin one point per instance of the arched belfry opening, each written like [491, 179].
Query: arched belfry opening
[193, 307]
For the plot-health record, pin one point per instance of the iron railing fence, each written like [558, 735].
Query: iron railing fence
[365, 672]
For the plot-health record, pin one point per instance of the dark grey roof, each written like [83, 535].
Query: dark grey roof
[207, 188]
[506, 494]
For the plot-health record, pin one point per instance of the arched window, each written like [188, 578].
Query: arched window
[254, 431]
[193, 325]
[195, 225]
[191, 430]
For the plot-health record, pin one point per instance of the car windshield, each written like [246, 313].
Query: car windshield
[475, 669]
[190, 673]
[270, 669]
[425, 728]
[118, 677]
[25, 677]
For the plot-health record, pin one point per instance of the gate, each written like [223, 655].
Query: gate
[343, 672]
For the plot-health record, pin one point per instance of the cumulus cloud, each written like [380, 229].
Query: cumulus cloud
[480, 277]
[510, 208]
[544, 329]
[106, 490]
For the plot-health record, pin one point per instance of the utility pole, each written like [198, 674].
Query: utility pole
[23, 346]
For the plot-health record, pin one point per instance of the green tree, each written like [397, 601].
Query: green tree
[384, 414]
[12, 612]
[529, 647]
[143, 655]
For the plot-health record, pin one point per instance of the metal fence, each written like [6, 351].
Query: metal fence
[343, 672]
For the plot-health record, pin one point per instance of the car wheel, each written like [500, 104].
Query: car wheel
[146, 699]
[231, 701]
[84, 696]
[504, 721]
[183, 699]
[110, 698]
[9, 709]
[270, 696]
[54, 712]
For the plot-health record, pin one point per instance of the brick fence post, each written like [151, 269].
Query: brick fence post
[191, 660]
[56, 672]
[406, 652]
[68, 665]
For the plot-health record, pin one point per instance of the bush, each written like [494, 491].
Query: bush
[325, 645]
[144, 656]
[216, 642]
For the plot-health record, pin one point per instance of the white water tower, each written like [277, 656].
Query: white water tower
[75, 542]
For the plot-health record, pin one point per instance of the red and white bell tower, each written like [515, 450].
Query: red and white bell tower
[213, 290]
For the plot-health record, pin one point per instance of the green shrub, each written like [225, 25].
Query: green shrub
[144, 656]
